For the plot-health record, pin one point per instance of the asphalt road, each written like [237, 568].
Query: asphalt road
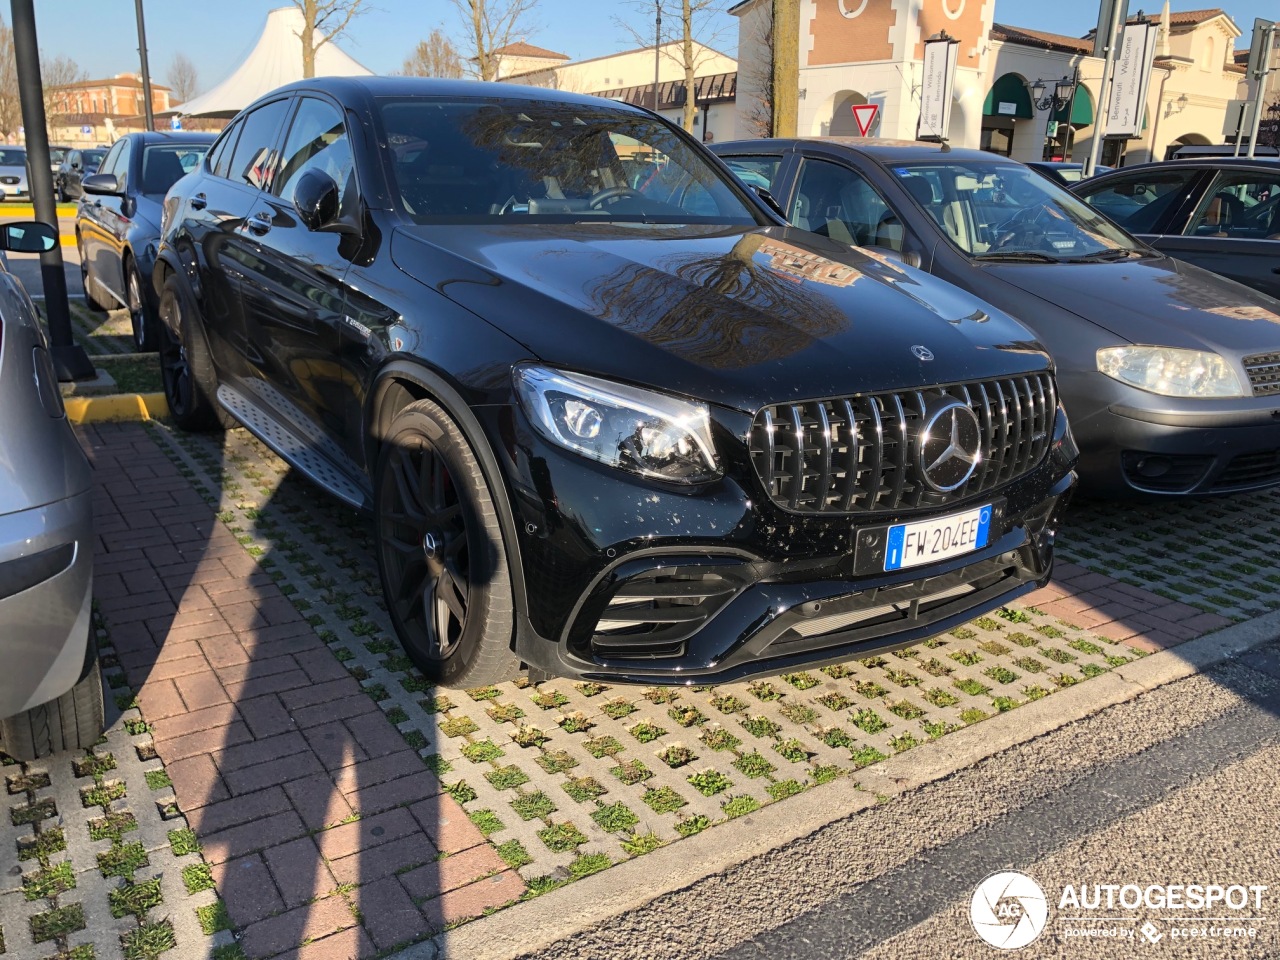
[1176, 787]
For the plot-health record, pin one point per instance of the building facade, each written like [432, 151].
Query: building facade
[856, 52]
[96, 112]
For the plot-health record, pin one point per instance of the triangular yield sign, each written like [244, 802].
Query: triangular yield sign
[864, 114]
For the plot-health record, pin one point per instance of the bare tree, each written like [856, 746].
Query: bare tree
[330, 18]
[758, 74]
[57, 74]
[492, 25]
[10, 105]
[435, 56]
[685, 39]
[182, 78]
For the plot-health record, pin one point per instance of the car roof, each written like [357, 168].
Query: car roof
[881, 149]
[168, 136]
[1200, 163]
[349, 90]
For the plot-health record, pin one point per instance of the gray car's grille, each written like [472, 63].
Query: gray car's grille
[1264, 373]
[8, 179]
[855, 454]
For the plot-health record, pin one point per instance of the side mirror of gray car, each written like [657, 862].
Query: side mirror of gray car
[770, 201]
[28, 237]
[909, 257]
[102, 184]
[315, 198]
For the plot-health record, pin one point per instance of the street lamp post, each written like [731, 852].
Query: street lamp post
[657, 50]
[1055, 102]
[69, 359]
[146, 68]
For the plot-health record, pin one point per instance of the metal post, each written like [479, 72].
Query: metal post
[1260, 89]
[146, 70]
[1104, 98]
[657, 50]
[69, 359]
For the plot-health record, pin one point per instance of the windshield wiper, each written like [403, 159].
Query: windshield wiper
[1026, 256]
[1106, 256]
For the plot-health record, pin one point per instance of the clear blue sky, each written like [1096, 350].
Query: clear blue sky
[100, 36]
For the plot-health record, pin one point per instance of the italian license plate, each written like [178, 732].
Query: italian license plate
[928, 541]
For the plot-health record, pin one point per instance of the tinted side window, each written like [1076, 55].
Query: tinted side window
[1239, 205]
[122, 163]
[755, 171]
[254, 158]
[317, 141]
[837, 202]
[109, 162]
[1139, 202]
[220, 157]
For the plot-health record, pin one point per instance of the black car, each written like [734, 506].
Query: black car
[118, 222]
[75, 166]
[1063, 173]
[1170, 374]
[606, 434]
[1220, 214]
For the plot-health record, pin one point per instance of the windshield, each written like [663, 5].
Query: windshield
[163, 166]
[92, 158]
[546, 162]
[56, 155]
[994, 210]
[12, 158]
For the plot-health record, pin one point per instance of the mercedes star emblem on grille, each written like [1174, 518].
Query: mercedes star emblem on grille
[948, 446]
[922, 352]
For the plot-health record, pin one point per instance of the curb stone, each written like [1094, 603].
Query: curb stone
[536, 924]
[116, 407]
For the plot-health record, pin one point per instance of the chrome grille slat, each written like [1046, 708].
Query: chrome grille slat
[1264, 373]
[857, 454]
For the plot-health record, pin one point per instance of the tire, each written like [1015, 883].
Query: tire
[186, 369]
[89, 298]
[441, 555]
[73, 721]
[140, 318]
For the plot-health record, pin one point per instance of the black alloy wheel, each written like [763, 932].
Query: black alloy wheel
[186, 370]
[143, 332]
[440, 552]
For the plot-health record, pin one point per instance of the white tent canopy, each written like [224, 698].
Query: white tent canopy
[274, 61]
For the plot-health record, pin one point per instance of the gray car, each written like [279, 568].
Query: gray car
[50, 687]
[1168, 373]
[13, 173]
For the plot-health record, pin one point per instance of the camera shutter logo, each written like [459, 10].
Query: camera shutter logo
[1008, 910]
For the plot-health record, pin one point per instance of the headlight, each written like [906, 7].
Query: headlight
[1171, 372]
[649, 433]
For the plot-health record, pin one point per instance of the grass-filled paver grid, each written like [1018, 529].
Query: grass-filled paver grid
[564, 778]
[101, 850]
[1217, 555]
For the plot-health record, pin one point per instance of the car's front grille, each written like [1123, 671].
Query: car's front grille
[1250, 470]
[1264, 373]
[857, 454]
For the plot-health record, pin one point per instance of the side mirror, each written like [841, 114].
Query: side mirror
[315, 199]
[908, 257]
[28, 237]
[770, 201]
[102, 184]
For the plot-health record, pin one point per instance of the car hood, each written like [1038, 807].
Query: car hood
[1156, 300]
[740, 317]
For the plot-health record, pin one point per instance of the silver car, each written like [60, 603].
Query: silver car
[50, 686]
[13, 173]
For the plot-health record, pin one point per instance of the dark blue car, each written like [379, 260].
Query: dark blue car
[118, 221]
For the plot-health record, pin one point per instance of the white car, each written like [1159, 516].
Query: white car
[13, 173]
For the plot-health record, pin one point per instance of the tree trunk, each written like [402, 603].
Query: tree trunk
[690, 84]
[786, 66]
[308, 38]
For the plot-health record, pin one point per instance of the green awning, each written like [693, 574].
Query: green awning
[1081, 109]
[1008, 97]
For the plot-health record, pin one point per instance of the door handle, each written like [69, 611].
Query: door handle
[199, 201]
[259, 223]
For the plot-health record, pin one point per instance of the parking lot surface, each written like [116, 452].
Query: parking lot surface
[281, 758]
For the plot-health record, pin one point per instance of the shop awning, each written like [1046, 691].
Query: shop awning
[1008, 97]
[1081, 109]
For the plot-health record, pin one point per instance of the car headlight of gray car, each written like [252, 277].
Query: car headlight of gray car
[1170, 371]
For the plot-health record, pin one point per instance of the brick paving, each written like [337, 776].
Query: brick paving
[343, 807]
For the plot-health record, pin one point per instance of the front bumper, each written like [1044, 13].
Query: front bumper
[46, 586]
[1143, 444]
[736, 586]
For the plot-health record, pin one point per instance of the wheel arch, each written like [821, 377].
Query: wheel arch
[401, 383]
